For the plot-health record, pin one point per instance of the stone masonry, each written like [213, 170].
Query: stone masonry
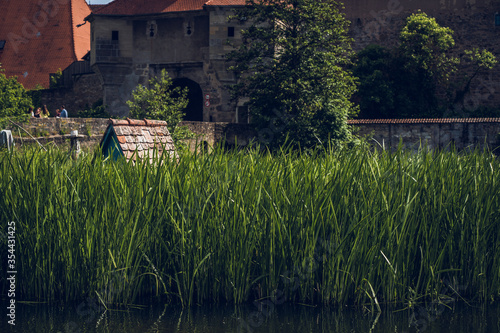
[388, 133]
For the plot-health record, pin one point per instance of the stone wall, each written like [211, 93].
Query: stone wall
[57, 132]
[143, 46]
[413, 133]
[216, 132]
[61, 141]
[45, 127]
[86, 90]
[434, 133]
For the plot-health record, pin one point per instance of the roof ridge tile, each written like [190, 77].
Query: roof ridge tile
[136, 122]
[155, 123]
[118, 122]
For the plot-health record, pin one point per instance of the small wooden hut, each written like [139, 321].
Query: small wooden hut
[137, 139]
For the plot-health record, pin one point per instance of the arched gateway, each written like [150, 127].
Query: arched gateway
[194, 110]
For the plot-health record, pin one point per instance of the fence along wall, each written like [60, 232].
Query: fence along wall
[435, 133]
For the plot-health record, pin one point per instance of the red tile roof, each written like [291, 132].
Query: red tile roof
[41, 37]
[95, 8]
[139, 138]
[138, 7]
[423, 121]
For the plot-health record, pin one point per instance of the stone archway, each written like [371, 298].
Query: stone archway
[194, 110]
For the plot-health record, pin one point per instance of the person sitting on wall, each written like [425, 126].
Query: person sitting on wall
[38, 112]
[64, 113]
[58, 113]
[30, 111]
[45, 112]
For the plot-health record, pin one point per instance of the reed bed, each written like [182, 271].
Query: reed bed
[329, 226]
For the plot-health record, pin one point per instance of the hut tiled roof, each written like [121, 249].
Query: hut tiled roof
[139, 138]
[39, 37]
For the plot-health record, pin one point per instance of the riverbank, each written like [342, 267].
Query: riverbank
[88, 317]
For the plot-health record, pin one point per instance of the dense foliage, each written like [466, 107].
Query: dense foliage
[378, 94]
[405, 82]
[56, 79]
[218, 227]
[97, 110]
[292, 67]
[14, 99]
[424, 45]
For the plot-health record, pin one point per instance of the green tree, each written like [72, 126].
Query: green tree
[162, 102]
[292, 67]
[36, 95]
[97, 110]
[377, 93]
[425, 46]
[476, 61]
[56, 79]
[424, 58]
[406, 81]
[14, 99]
[388, 89]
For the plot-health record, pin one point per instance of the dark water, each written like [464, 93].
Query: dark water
[285, 318]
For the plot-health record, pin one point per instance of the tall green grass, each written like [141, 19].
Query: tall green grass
[333, 227]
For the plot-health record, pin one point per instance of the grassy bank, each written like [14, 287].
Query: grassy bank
[328, 227]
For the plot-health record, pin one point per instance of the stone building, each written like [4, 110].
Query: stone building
[132, 40]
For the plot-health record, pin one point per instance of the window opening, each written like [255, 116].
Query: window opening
[114, 35]
[152, 29]
[230, 31]
[2, 44]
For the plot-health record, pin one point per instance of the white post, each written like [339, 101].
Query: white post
[6, 139]
[75, 144]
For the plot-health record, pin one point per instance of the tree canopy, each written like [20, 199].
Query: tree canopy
[162, 102]
[14, 99]
[406, 81]
[425, 45]
[292, 67]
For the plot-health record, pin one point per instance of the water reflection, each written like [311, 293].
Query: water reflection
[90, 317]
